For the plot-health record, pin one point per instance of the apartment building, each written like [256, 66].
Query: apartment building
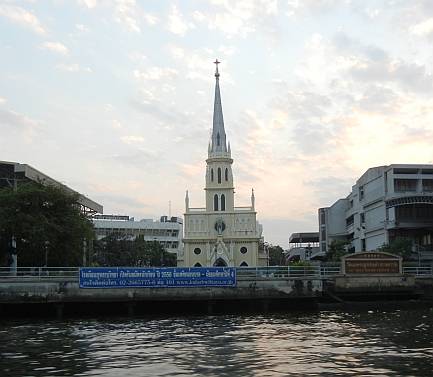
[387, 202]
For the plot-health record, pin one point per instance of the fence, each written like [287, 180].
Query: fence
[243, 273]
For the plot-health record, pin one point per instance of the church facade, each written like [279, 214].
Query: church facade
[220, 234]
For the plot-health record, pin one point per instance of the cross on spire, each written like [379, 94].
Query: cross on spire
[216, 62]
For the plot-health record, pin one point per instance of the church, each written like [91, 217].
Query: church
[220, 234]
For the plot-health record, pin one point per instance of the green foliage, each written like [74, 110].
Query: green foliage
[111, 251]
[276, 256]
[337, 249]
[275, 253]
[47, 225]
[399, 246]
[300, 263]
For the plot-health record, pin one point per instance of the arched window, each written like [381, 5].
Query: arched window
[223, 202]
[243, 250]
[219, 175]
[197, 251]
[197, 265]
[227, 175]
[215, 202]
[211, 175]
[244, 264]
[218, 139]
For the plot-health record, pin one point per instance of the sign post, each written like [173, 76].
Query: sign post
[370, 263]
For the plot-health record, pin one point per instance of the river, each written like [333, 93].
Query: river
[327, 343]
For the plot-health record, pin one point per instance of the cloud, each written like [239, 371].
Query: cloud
[126, 14]
[329, 189]
[176, 23]
[155, 73]
[423, 28]
[411, 77]
[164, 112]
[2, 100]
[89, 3]
[22, 17]
[73, 68]
[139, 159]
[131, 139]
[82, 28]
[16, 120]
[240, 18]
[56, 47]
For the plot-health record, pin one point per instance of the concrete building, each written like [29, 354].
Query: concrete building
[386, 203]
[167, 231]
[221, 234]
[303, 246]
[13, 174]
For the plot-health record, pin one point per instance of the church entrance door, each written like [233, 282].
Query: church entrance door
[220, 263]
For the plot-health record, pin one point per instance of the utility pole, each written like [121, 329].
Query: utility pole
[13, 249]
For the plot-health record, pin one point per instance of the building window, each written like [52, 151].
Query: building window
[218, 139]
[361, 193]
[223, 202]
[322, 217]
[219, 175]
[197, 265]
[427, 185]
[227, 174]
[349, 220]
[215, 202]
[402, 185]
[362, 217]
[323, 234]
[363, 245]
[243, 250]
[211, 175]
[244, 264]
[197, 251]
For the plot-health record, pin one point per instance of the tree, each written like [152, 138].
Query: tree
[276, 256]
[47, 224]
[114, 251]
[275, 253]
[398, 246]
[337, 249]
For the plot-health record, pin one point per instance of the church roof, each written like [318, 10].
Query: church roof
[218, 140]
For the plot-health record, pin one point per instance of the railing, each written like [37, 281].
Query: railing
[40, 273]
[418, 271]
[243, 273]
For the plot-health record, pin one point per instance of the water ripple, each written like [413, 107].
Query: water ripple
[336, 343]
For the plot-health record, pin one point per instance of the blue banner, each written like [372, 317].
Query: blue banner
[139, 277]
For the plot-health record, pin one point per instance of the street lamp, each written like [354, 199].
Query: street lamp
[46, 244]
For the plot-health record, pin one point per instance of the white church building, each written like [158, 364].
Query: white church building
[220, 234]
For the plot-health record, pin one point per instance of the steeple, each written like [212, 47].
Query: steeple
[218, 141]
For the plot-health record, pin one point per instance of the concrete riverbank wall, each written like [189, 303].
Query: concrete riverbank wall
[66, 297]
[63, 297]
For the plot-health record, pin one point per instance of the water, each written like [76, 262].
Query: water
[332, 343]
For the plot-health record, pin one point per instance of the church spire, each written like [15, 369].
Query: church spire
[218, 141]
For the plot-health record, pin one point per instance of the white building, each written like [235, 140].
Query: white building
[167, 231]
[221, 234]
[387, 202]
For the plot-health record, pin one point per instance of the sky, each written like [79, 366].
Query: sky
[115, 97]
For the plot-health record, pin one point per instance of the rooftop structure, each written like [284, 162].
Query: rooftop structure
[14, 173]
[303, 246]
